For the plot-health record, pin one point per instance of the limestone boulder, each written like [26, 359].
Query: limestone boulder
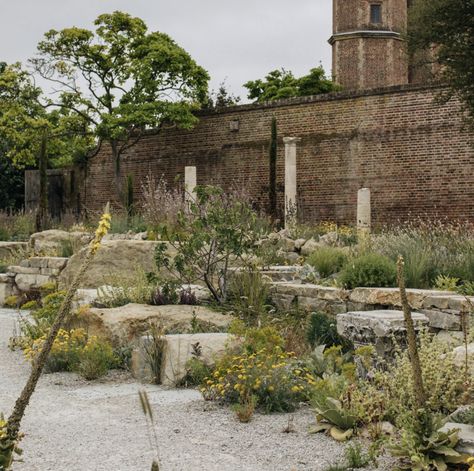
[377, 328]
[116, 259]
[12, 249]
[460, 356]
[126, 324]
[177, 351]
[53, 241]
[7, 288]
[391, 296]
[309, 247]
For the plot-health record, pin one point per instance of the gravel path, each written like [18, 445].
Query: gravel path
[75, 425]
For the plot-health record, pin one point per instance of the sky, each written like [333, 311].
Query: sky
[234, 40]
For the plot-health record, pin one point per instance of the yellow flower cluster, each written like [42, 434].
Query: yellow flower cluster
[64, 343]
[101, 231]
[470, 462]
[262, 374]
[330, 226]
[3, 427]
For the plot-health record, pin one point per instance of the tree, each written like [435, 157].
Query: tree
[215, 230]
[221, 99]
[446, 28]
[122, 80]
[31, 134]
[283, 84]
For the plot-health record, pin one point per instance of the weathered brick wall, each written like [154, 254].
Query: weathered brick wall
[410, 151]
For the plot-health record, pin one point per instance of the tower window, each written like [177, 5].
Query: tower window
[376, 13]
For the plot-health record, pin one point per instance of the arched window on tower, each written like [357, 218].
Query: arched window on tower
[375, 13]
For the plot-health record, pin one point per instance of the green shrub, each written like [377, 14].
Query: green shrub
[328, 260]
[196, 372]
[322, 330]
[370, 270]
[95, 359]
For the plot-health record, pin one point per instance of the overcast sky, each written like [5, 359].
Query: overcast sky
[235, 40]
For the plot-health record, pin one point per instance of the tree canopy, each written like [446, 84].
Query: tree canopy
[121, 79]
[283, 84]
[26, 122]
[446, 27]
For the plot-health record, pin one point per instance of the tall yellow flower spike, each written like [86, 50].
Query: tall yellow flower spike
[102, 229]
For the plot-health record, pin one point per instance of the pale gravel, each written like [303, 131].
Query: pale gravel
[74, 425]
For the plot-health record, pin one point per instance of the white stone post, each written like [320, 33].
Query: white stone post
[364, 210]
[290, 180]
[190, 182]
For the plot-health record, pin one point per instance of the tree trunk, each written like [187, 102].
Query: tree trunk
[42, 211]
[118, 179]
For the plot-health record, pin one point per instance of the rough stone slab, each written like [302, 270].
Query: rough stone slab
[391, 296]
[178, 351]
[27, 283]
[57, 263]
[126, 324]
[50, 271]
[322, 305]
[310, 246]
[466, 436]
[376, 327]
[52, 241]
[38, 262]
[460, 356]
[309, 290]
[24, 270]
[115, 259]
[6, 290]
[444, 320]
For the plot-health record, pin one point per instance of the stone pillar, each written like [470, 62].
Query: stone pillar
[364, 211]
[290, 180]
[190, 182]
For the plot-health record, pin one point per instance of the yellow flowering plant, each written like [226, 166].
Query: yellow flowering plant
[64, 355]
[10, 429]
[277, 380]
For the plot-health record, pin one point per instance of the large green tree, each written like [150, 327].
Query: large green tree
[32, 133]
[122, 80]
[283, 84]
[446, 29]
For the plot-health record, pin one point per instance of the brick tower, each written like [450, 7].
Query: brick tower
[368, 50]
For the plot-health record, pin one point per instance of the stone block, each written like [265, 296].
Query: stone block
[6, 289]
[377, 328]
[444, 320]
[309, 247]
[25, 263]
[50, 271]
[390, 297]
[57, 263]
[179, 350]
[460, 357]
[26, 282]
[466, 437]
[38, 262]
[23, 270]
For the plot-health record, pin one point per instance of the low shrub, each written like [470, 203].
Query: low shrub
[95, 359]
[369, 270]
[276, 379]
[196, 372]
[64, 354]
[327, 260]
[245, 409]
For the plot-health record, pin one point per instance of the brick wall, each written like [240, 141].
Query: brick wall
[410, 151]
